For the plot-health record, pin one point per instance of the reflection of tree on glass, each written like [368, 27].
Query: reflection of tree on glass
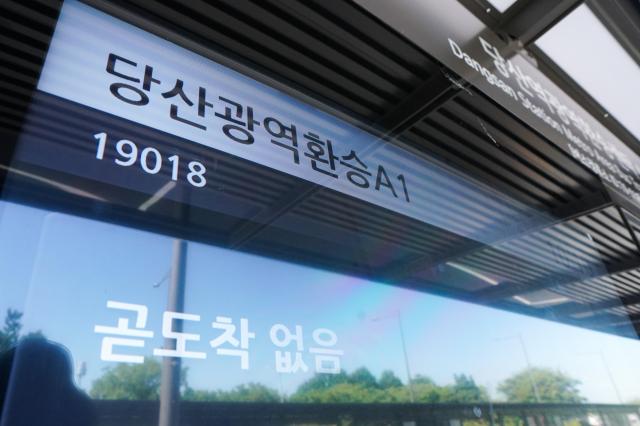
[398, 316]
[532, 381]
[552, 386]
[10, 333]
[249, 392]
[142, 382]
[362, 387]
[131, 381]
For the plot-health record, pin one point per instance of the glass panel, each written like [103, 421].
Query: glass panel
[502, 5]
[232, 220]
[311, 335]
[589, 56]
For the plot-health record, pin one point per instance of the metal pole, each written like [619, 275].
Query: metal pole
[406, 359]
[613, 382]
[491, 412]
[170, 379]
[526, 357]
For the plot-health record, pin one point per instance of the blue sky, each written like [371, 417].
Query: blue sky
[61, 270]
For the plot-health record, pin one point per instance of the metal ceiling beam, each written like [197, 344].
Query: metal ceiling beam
[615, 302]
[629, 228]
[587, 205]
[506, 290]
[527, 20]
[433, 92]
[611, 320]
[622, 19]
[608, 323]
[559, 77]
[554, 280]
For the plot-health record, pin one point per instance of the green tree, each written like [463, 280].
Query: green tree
[201, 395]
[130, 381]
[141, 382]
[250, 392]
[342, 392]
[322, 382]
[363, 377]
[419, 379]
[10, 333]
[361, 387]
[423, 392]
[11, 330]
[552, 386]
[389, 380]
[465, 390]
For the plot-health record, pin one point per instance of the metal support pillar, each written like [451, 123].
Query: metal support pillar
[171, 367]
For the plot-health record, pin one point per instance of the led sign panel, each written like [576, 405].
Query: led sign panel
[136, 80]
